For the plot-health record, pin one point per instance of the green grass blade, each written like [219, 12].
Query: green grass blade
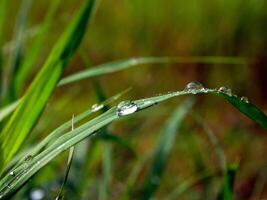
[32, 54]
[35, 99]
[164, 148]
[10, 184]
[128, 63]
[227, 192]
[17, 51]
[70, 158]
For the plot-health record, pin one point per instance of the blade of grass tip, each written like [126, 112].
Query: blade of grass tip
[128, 63]
[31, 56]
[164, 148]
[70, 158]
[62, 129]
[16, 52]
[14, 180]
[119, 65]
[28, 111]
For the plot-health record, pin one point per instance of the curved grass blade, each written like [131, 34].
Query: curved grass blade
[128, 63]
[164, 148]
[14, 180]
[30, 108]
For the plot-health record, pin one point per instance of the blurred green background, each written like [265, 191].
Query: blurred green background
[131, 28]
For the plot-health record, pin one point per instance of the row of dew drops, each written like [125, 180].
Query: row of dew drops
[129, 107]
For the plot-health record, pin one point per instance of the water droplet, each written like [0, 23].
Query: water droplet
[126, 108]
[96, 107]
[225, 90]
[245, 99]
[28, 158]
[37, 194]
[12, 173]
[194, 87]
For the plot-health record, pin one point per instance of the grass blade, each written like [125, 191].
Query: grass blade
[163, 149]
[31, 55]
[16, 53]
[10, 184]
[128, 63]
[70, 158]
[30, 108]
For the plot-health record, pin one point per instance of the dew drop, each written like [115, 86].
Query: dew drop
[245, 99]
[96, 107]
[126, 108]
[225, 90]
[12, 173]
[194, 87]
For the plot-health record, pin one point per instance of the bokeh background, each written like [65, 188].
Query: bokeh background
[132, 28]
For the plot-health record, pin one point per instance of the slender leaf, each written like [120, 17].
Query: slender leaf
[16, 53]
[9, 184]
[127, 63]
[70, 158]
[35, 99]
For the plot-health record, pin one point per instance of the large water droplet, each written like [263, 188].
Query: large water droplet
[126, 108]
[194, 87]
[245, 99]
[225, 90]
[96, 107]
[37, 194]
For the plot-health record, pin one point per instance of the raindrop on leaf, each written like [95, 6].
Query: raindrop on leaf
[194, 87]
[126, 108]
[245, 99]
[225, 90]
